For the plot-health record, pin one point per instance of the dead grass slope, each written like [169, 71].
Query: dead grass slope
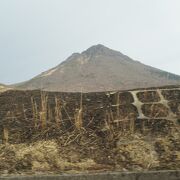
[85, 151]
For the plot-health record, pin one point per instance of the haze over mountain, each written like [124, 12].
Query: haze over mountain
[99, 69]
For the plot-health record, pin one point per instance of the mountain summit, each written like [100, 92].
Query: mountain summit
[99, 69]
[100, 49]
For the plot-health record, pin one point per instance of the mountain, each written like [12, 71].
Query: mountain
[99, 69]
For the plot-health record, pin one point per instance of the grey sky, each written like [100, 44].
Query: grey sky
[36, 35]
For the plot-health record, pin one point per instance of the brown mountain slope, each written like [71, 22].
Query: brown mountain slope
[98, 69]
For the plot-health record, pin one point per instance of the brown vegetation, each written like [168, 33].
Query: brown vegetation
[46, 132]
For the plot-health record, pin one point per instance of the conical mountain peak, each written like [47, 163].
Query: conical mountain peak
[97, 48]
[100, 50]
[92, 53]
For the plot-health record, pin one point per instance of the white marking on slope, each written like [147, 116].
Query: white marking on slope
[48, 73]
[165, 103]
[138, 104]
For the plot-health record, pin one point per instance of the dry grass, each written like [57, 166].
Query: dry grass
[35, 112]
[132, 123]
[44, 156]
[133, 151]
[58, 114]
[5, 135]
[78, 152]
[79, 115]
[44, 110]
[117, 147]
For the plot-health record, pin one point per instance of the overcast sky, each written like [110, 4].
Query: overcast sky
[36, 35]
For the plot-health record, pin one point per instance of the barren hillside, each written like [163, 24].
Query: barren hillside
[99, 69]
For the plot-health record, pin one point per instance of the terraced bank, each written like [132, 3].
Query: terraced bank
[93, 132]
